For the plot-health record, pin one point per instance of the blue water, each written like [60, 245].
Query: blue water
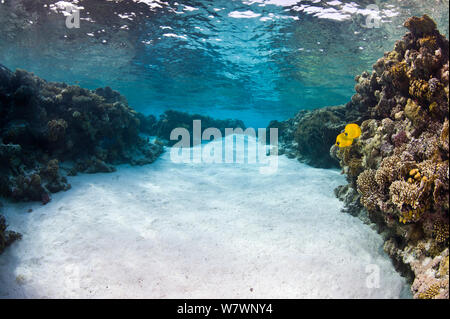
[254, 60]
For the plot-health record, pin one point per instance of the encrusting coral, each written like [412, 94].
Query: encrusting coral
[402, 155]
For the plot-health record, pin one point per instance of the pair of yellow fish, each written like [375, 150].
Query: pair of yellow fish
[351, 132]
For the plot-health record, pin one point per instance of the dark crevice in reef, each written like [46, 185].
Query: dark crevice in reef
[49, 131]
[398, 169]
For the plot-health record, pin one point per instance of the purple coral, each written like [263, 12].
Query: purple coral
[399, 139]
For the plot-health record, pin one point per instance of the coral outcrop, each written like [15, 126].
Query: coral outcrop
[309, 134]
[7, 237]
[398, 169]
[49, 129]
[172, 119]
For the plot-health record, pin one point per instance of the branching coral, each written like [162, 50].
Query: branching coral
[369, 190]
[419, 90]
[400, 78]
[389, 170]
[408, 198]
[441, 232]
[431, 292]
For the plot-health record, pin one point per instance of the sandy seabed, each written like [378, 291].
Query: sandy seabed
[169, 230]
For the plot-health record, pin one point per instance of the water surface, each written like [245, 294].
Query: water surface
[256, 60]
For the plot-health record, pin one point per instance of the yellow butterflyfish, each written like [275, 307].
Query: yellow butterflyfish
[352, 130]
[343, 141]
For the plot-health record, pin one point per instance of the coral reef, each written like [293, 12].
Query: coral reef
[399, 167]
[7, 237]
[309, 134]
[171, 119]
[48, 129]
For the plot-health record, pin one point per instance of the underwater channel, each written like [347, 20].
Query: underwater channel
[224, 149]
